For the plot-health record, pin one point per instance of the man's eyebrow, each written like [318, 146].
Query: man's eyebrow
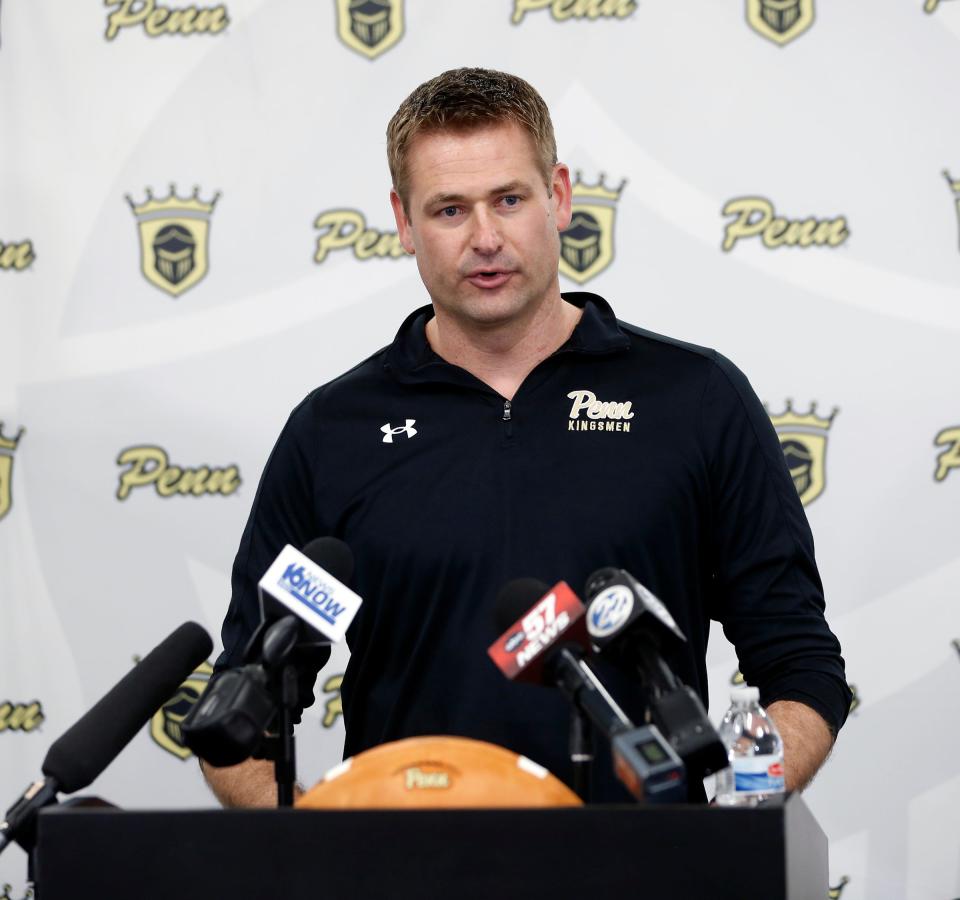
[444, 198]
[509, 188]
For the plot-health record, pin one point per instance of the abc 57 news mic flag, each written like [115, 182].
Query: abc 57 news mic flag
[521, 648]
[546, 646]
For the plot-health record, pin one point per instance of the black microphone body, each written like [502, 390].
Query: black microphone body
[78, 756]
[562, 664]
[20, 822]
[238, 715]
[336, 558]
[569, 671]
[643, 761]
[629, 623]
[632, 621]
[85, 749]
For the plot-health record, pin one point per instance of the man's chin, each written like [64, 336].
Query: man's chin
[489, 309]
[492, 313]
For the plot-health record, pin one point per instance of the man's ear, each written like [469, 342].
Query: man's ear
[404, 230]
[562, 196]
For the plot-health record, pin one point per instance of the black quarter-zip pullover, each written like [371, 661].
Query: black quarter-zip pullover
[623, 448]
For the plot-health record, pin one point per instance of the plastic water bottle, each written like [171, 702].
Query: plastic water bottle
[754, 749]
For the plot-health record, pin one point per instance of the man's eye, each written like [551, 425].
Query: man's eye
[448, 211]
[511, 200]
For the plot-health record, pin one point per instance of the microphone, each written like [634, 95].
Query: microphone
[304, 606]
[82, 752]
[630, 623]
[546, 645]
[622, 612]
[311, 585]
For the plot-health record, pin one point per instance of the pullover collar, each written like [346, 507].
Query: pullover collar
[410, 358]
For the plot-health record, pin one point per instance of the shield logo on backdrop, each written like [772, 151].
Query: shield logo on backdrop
[165, 724]
[803, 440]
[780, 20]
[370, 27]
[174, 237]
[586, 246]
[7, 446]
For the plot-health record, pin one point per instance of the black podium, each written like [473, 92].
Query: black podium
[771, 852]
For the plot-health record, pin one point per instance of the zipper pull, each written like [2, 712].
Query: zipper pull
[507, 406]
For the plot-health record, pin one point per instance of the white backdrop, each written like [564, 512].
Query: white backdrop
[277, 109]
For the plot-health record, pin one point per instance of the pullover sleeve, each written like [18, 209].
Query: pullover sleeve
[767, 591]
[283, 512]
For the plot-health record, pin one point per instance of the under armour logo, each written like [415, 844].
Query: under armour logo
[389, 432]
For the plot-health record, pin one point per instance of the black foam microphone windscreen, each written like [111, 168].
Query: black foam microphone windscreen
[332, 554]
[82, 752]
[514, 599]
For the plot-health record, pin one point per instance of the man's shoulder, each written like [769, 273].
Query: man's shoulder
[683, 350]
[601, 329]
[363, 376]
[673, 350]
[362, 380]
[683, 363]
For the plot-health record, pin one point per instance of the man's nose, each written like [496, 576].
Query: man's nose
[486, 238]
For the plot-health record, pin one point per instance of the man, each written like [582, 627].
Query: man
[510, 431]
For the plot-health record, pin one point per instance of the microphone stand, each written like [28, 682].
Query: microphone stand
[678, 712]
[285, 767]
[581, 753]
[279, 642]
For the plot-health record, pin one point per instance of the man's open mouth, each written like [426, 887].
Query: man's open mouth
[489, 278]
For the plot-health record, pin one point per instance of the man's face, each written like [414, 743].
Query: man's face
[483, 226]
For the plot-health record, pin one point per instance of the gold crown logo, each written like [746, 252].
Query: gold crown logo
[10, 443]
[598, 191]
[6, 895]
[809, 420]
[854, 697]
[954, 185]
[191, 206]
[834, 892]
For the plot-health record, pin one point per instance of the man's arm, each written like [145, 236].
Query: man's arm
[767, 590]
[250, 785]
[807, 741]
[281, 514]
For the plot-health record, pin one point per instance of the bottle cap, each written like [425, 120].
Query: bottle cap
[745, 696]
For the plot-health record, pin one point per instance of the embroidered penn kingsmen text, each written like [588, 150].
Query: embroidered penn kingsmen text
[599, 415]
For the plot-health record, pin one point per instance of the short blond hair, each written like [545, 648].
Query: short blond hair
[464, 99]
